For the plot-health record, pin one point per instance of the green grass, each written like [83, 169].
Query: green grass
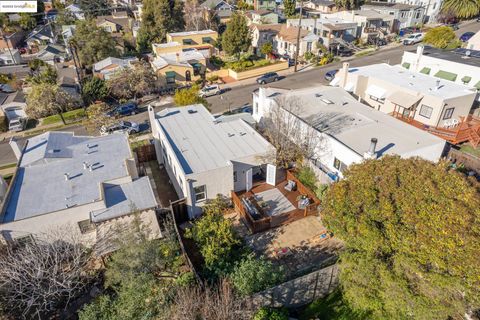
[470, 150]
[331, 307]
[69, 116]
[135, 144]
[10, 165]
[365, 52]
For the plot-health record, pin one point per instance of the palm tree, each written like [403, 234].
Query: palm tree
[463, 9]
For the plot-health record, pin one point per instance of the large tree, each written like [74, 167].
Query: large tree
[93, 43]
[95, 8]
[411, 230]
[188, 96]
[43, 275]
[94, 89]
[463, 9]
[97, 118]
[132, 82]
[46, 99]
[440, 37]
[289, 8]
[236, 38]
[158, 18]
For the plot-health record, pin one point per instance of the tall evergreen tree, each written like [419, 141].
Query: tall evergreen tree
[236, 38]
[411, 230]
[158, 18]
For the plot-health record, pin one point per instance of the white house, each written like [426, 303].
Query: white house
[107, 67]
[461, 66]
[405, 15]
[74, 182]
[285, 41]
[75, 11]
[10, 57]
[474, 42]
[410, 95]
[261, 17]
[432, 7]
[205, 156]
[347, 130]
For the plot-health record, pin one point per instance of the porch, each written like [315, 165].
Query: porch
[465, 130]
[267, 206]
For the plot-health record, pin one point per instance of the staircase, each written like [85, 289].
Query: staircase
[346, 44]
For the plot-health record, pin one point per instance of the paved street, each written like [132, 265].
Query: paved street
[241, 95]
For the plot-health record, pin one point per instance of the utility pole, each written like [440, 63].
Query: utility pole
[297, 49]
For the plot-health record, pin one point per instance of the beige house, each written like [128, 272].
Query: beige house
[261, 17]
[321, 6]
[263, 33]
[76, 183]
[179, 67]
[202, 40]
[415, 96]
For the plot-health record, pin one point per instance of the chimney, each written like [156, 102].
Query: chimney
[15, 147]
[67, 176]
[416, 65]
[370, 154]
[344, 74]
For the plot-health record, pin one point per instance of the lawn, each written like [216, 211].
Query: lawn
[467, 148]
[331, 307]
[70, 116]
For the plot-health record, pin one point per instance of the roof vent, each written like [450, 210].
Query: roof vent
[326, 101]
[243, 133]
[191, 111]
[344, 103]
[231, 135]
[318, 95]
[67, 176]
[468, 53]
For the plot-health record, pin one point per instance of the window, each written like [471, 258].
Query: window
[234, 176]
[339, 165]
[382, 100]
[426, 111]
[200, 193]
[448, 113]
[86, 226]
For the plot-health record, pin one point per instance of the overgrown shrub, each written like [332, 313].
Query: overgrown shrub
[244, 65]
[265, 313]
[307, 177]
[213, 78]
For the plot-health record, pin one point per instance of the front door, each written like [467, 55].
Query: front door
[188, 76]
[271, 172]
[248, 179]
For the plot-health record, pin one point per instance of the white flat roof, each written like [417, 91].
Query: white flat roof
[190, 33]
[415, 81]
[202, 143]
[335, 112]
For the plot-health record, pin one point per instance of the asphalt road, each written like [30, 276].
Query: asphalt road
[239, 96]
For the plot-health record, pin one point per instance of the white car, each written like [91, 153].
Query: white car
[413, 39]
[210, 90]
[123, 126]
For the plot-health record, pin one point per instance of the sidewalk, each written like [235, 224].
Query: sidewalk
[5, 136]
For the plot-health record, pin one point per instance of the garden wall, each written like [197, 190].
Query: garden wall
[258, 71]
[300, 291]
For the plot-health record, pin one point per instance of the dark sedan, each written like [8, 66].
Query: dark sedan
[268, 77]
[124, 110]
[466, 36]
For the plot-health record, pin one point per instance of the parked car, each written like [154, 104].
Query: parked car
[344, 52]
[454, 26]
[466, 36]
[268, 77]
[124, 110]
[381, 42]
[330, 75]
[413, 39]
[210, 90]
[123, 126]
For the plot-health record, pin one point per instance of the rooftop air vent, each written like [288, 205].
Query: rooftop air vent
[191, 111]
[231, 135]
[318, 95]
[326, 101]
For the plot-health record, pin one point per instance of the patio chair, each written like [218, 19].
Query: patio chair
[454, 123]
[291, 185]
[447, 123]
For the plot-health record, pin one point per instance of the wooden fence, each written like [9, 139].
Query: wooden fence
[146, 153]
[469, 161]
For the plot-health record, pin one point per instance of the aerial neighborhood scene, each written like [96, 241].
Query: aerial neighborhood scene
[240, 159]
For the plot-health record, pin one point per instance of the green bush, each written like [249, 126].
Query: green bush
[213, 78]
[244, 65]
[265, 313]
[308, 56]
[216, 61]
[307, 177]
[3, 122]
[254, 275]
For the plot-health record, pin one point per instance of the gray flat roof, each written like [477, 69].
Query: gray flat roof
[415, 81]
[457, 55]
[40, 186]
[201, 143]
[335, 112]
[126, 197]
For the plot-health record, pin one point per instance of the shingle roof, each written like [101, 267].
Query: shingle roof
[290, 34]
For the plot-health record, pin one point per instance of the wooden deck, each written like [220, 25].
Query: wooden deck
[467, 131]
[265, 222]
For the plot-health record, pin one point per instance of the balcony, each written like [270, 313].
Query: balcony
[467, 130]
[266, 206]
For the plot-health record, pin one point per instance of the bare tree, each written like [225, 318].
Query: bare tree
[194, 16]
[293, 138]
[134, 82]
[97, 118]
[213, 303]
[40, 276]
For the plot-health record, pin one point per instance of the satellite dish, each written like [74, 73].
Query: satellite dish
[468, 53]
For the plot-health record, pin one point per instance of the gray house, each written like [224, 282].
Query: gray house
[405, 15]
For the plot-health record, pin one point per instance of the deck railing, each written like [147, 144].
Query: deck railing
[267, 222]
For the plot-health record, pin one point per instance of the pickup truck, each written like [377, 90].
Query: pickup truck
[17, 118]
